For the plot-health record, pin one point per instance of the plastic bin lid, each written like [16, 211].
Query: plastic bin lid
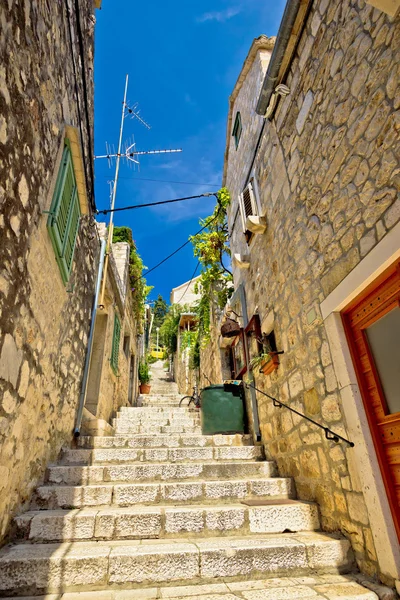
[214, 386]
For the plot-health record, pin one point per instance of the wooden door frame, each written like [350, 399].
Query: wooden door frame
[388, 304]
[363, 463]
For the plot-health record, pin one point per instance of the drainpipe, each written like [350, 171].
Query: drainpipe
[271, 77]
[82, 397]
[243, 307]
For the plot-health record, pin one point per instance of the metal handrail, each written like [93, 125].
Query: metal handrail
[329, 434]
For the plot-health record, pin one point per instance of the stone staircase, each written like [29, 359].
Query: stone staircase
[161, 511]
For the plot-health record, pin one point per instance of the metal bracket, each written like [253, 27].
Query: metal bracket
[331, 436]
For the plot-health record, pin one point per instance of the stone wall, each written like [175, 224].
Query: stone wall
[43, 323]
[108, 390]
[328, 179]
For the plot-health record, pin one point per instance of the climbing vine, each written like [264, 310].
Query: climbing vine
[211, 247]
[139, 288]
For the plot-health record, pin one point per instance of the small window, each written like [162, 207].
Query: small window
[115, 344]
[65, 212]
[248, 207]
[237, 129]
[127, 343]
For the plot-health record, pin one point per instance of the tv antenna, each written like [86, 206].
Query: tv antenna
[131, 155]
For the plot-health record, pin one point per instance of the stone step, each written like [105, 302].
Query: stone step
[157, 418]
[323, 587]
[162, 401]
[206, 492]
[179, 410]
[171, 455]
[123, 429]
[161, 522]
[32, 569]
[164, 441]
[155, 422]
[81, 475]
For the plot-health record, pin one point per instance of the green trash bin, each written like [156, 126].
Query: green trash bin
[222, 409]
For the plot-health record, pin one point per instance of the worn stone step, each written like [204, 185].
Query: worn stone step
[206, 492]
[127, 429]
[76, 475]
[164, 441]
[144, 522]
[171, 455]
[157, 414]
[151, 423]
[178, 410]
[323, 587]
[31, 569]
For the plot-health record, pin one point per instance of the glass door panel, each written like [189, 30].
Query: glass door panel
[384, 342]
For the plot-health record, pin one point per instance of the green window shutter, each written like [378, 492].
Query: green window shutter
[115, 344]
[65, 212]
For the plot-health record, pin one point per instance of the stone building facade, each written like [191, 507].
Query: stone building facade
[324, 174]
[113, 374]
[185, 295]
[46, 132]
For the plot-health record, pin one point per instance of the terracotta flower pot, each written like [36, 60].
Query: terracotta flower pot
[144, 388]
[270, 365]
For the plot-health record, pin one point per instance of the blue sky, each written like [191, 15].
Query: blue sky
[183, 59]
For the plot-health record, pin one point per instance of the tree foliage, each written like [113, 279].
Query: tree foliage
[169, 328]
[139, 289]
[160, 311]
[211, 247]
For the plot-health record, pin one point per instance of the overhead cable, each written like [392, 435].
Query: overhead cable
[132, 207]
[164, 181]
[189, 282]
[178, 249]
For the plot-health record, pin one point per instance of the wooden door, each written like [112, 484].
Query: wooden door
[372, 324]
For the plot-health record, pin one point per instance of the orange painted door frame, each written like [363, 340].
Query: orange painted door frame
[377, 301]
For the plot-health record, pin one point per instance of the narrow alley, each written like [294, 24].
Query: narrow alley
[161, 511]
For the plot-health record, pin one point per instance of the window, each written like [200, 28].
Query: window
[239, 356]
[115, 344]
[248, 207]
[237, 129]
[65, 212]
[127, 343]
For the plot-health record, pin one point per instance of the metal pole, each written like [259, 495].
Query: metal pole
[158, 329]
[82, 396]
[111, 226]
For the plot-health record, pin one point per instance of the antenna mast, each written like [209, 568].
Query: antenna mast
[114, 193]
[130, 154]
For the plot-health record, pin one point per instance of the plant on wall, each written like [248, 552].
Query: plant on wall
[139, 288]
[211, 247]
[169, 328]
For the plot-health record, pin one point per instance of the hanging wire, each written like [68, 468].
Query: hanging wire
[163, 181]
[180, 247]
[110, 210]
[187, 287]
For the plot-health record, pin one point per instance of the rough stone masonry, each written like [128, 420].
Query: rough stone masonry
[43, 324]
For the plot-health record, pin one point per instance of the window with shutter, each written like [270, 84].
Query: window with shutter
[65, 212]
[237, 129]
[115, 344]
[248, 207]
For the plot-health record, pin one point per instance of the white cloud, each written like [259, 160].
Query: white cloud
[219, 16]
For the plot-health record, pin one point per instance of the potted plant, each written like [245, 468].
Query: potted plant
[268, 359]
[144, 377]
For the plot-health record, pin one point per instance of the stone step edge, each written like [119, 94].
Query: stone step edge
[345, 587]
[164, 522]
[246, 440]
[158, 472]
[201, 463]
[112, 494]
[81, 566]
[118, 456]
